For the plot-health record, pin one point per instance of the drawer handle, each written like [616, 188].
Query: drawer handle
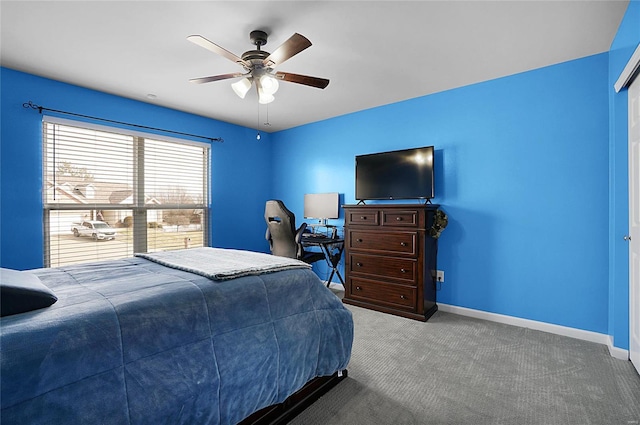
[403, 297]
[359, 264]
[358, 288]
[362, 217]
[403, 271]
[398, 218]
[358, 240]
[403, 244]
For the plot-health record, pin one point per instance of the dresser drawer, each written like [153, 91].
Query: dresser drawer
[400, 218]
[402, 269]
[363, 218]
[383, 293]
[402, 243]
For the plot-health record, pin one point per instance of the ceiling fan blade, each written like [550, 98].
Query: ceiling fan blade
[203, 42]
[216, 78]
[302, 79]
[294, 45]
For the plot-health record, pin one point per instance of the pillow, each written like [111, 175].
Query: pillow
[22, 291]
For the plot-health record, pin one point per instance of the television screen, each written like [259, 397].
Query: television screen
[321, 205]
[403, 174]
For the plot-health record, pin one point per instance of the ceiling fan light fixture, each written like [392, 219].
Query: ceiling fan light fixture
[264, 97]
[241, 87]
[269, 84]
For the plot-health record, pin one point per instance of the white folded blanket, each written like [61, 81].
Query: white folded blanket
[223, 264]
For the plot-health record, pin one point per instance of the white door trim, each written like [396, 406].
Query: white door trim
[634, 221]
[629, 71]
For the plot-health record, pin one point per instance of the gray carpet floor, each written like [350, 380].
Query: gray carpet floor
[459, 370]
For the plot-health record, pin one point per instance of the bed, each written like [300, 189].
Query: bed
[147, 340]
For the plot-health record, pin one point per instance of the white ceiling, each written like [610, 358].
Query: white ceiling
[374, 52]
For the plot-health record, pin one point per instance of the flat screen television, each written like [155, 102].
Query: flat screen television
[322, 206]
[402, 174]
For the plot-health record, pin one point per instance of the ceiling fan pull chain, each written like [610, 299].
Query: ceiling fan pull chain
[258, 128]
[267, 123]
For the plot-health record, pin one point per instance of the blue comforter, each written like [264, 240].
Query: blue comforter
[134, 342]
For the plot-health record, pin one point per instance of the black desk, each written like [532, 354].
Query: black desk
[332, 249]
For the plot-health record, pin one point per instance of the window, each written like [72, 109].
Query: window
[109, 193]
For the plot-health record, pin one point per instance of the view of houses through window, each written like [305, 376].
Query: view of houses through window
[109, 193]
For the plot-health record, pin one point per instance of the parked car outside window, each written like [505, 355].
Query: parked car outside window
[98, 230]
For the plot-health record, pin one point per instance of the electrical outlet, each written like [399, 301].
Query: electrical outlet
[440, 276]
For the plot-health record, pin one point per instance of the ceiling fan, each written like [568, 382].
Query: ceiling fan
[259, 65]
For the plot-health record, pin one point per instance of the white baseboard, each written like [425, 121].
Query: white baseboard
[617, 353]
[596, 337]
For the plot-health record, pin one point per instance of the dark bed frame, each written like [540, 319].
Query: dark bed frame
[284, 412]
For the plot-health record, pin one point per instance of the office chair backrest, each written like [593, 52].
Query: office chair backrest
[281, 230]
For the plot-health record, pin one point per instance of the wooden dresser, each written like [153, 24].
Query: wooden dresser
[390, 259]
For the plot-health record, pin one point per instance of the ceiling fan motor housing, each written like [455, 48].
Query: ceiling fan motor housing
[255, 58]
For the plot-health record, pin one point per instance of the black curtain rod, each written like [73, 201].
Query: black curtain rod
[32, 105]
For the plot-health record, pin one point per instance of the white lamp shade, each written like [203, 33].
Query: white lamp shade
[269, 84]
[264, 97]
[241, 87]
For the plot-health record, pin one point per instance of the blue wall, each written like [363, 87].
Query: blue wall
[623, 46]
[522, 174]
[240, 181]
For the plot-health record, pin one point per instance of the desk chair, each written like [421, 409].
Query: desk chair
[284, 239]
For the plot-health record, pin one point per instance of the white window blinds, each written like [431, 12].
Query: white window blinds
[109, 193]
